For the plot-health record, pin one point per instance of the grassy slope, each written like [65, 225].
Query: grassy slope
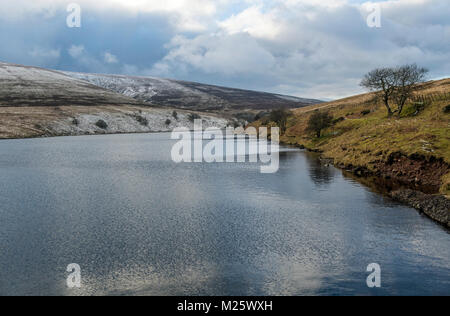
[362, 140]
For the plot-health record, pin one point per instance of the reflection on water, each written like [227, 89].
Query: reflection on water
[321, 173]
[386, 186]
[137, 223]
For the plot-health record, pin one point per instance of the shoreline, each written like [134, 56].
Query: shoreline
[94, 134]
[81, 135]
[434, 205]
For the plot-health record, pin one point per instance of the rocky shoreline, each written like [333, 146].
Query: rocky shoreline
[437, 207]
[424, 198]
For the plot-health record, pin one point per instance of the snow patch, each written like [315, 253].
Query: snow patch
[129, 122]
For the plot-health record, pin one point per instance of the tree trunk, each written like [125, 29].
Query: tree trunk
[400, 109]
[401, 105]
[386, 103]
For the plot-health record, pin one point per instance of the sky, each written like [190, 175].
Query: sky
[307, 48]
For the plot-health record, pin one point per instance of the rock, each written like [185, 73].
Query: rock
[437, 207]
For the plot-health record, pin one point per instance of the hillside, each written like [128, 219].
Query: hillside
[32, 86]
[190, 95]
[413, 149]
[37, 102]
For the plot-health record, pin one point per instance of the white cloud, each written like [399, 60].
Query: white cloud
[315, 50]
[185, 15]
[110, 58]
[76, 51]
[86, 60]
[217, 54]
[18, 9]
[39, 52]
[254, 22]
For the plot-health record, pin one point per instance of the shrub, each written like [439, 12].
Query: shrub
[101, 124]
[447, 109]
[338, 120]
[261, 115]
[413, 109]
[280, 117]
[246, 116]
[142, 120]
[318, 122]
[193, 116]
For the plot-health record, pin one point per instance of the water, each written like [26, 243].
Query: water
[138, 224]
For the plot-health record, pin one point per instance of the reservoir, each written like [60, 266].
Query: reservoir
[138, 223]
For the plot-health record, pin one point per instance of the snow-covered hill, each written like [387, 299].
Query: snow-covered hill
[37, 102]
[190, 95]
[40, 102]
[33, 86]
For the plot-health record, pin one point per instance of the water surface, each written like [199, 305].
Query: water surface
[139, 224]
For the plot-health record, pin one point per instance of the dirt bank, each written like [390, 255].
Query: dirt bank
[416, 172]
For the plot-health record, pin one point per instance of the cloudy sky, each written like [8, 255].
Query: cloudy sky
[309, 48]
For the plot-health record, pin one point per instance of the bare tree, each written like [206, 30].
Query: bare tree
[395, 84]
[407, 78]
[384, 81]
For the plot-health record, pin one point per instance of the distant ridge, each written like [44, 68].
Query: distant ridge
[191, 95]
